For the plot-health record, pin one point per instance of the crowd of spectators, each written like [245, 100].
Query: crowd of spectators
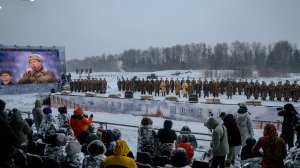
[70, 141]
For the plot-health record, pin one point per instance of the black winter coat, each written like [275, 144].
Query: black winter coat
[233, 132]
[288, 124]
[166, 134]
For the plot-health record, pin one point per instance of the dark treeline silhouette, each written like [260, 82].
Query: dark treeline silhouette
[273, 59]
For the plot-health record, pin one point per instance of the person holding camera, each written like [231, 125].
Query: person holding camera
[290, 120]
[79, 123]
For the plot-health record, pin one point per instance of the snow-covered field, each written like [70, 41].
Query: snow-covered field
[25, 102]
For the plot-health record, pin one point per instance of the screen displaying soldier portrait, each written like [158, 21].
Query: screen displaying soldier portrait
[32, 66]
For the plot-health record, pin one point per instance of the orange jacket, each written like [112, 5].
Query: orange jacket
[189, 150]
[78, 122]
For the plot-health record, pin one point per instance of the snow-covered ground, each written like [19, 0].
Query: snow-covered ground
[25, 102]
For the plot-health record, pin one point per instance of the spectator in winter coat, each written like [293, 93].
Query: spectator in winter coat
[289, 121]
[74, 157]
[89, 139]
[187, 146]
[64, 120]
[3, 113]
[244, 123]
[179, 159]
[166, 137]
[56, 149]
[273, 147]
[297, 132]
[80, 123]
[247, 150]
[48, 125]
[146, 137]
[119, 158]
[109, 138]
[234, 136]
[96, 150]
[185, 130]
[7, 142]
[37, 114]
[21, 129]
[219, 143]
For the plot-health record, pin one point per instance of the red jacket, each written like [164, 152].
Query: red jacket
[78, 122]
[189, 150]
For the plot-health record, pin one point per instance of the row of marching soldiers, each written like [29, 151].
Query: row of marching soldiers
[187, 87]
[89, 85]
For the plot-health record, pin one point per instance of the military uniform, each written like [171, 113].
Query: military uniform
[38, 74]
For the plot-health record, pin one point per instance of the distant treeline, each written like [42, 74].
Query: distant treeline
[281, 57]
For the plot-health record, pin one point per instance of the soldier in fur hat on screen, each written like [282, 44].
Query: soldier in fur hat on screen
[36, 73]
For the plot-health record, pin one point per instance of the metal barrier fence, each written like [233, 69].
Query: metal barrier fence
[258, 125]
[133, 126]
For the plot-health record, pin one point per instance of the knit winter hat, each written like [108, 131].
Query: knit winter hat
[2, 105]
[47, 110]
[96, 147]
[72, 148]
[62, 109]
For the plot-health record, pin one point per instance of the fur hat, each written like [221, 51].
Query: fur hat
[62, 109]
[243, 105]
[2, 105]
[72, 148]
[35, 57]
[47, 110]
[96, 147]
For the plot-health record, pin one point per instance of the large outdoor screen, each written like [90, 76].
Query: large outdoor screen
[30, 67]
[27, 69]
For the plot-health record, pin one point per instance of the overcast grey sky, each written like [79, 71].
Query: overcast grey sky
[94, 27]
